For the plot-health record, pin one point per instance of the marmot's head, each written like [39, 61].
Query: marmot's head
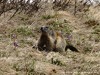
[47, 30]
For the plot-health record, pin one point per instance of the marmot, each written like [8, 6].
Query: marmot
[51, 40]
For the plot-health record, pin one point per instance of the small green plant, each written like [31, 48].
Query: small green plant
[27, 67]
[0, 37]
[57, 62]
[46, 17]
[91, 23]
[24, 31]
[16, 67]
[23, 41]
[67, 29]
[54, 23]
[23, 17]
[97, 38]
[96, 33]
[29, 43]
[2, 54]
[30, 68]
[60, 26]
[87, 48]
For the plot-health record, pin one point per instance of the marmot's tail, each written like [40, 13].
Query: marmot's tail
[72, 48]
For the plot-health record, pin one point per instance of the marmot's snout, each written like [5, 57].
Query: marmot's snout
[44, 29]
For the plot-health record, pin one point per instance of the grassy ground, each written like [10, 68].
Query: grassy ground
[24, 31]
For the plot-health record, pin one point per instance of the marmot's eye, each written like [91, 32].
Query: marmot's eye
[47, 27]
